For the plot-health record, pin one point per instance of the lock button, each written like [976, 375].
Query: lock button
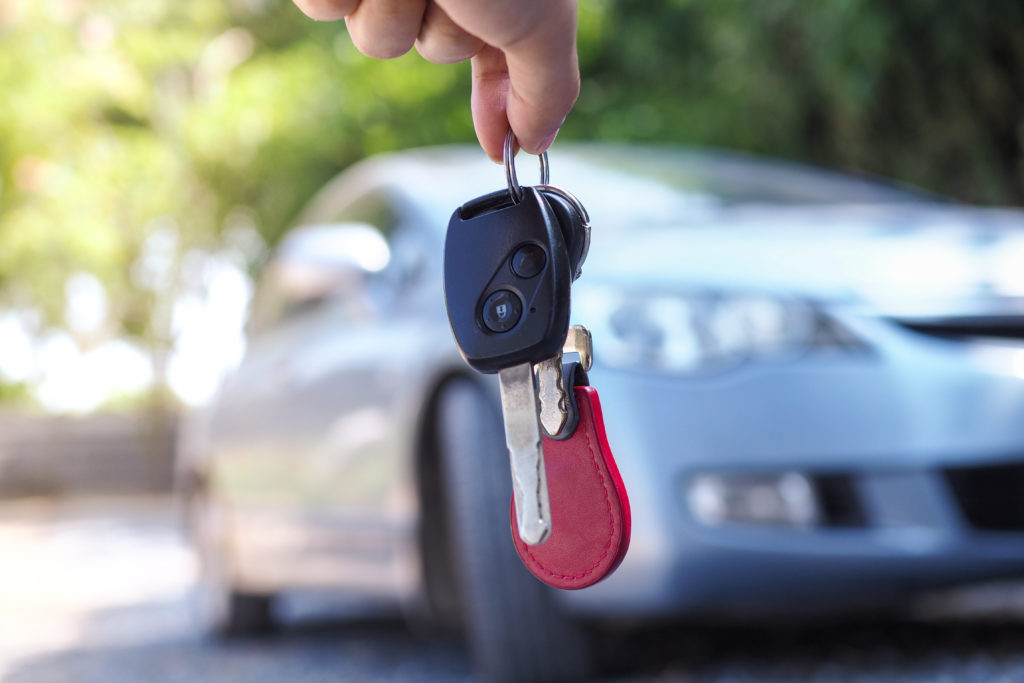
[502, 311]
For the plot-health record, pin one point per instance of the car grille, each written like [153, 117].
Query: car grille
[967, 327]
[837, 497]
[991, 498]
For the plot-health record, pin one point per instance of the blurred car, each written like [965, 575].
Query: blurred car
[813, 385]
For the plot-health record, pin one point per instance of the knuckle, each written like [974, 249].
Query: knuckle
[327, 10]
[442, 41]
[381, 49]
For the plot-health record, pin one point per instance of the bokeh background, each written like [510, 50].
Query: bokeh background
[153, 151]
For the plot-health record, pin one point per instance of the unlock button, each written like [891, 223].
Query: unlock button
[502, 311]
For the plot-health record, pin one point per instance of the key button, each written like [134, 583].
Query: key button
[502, 311]
[528, 260]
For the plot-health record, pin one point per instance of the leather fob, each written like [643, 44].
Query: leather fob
[590, 517]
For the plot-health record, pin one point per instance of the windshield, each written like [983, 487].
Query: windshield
[630, 185]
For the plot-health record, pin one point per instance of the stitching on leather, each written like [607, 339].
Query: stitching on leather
[611, 522]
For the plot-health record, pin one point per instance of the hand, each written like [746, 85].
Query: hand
[523, 52]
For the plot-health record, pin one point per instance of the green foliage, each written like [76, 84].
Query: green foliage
[128, 118]
[122, 118]
[926, 92]
[15, 394]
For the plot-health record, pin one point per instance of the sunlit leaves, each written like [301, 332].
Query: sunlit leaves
[925, 92]
[120, 116]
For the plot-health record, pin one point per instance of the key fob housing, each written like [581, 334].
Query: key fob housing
[506, 280]
[575, 234]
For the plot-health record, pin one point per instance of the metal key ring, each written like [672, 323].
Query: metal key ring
[508, 154]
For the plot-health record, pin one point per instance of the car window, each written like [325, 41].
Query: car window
[293, 286]
[375, 208]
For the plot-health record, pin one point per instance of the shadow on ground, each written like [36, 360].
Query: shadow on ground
[890, 651]
[383, 650]
[387, 650]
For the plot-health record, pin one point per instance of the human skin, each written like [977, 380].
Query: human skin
[523, 55]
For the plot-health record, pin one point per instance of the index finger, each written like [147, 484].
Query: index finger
[539, 67]
[543, 87]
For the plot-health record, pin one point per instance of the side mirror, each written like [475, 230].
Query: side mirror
[336, 247]
[314, 263]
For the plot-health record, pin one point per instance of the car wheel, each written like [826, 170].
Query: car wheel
[221, 609]
[515, 630]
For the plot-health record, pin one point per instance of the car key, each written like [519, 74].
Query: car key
[558, 415]
[506, 277]
[506, 281]
[555, 397]
[588, 499]
[586, 493]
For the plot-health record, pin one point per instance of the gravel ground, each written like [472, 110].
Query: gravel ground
[865, 652]
[98, 592]
[335, 652]
[386, 651]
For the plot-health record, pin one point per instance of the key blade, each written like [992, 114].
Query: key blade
[579, 340]
[553, 411]
[526, 454]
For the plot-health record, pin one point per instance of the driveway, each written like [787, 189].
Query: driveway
[99, 591]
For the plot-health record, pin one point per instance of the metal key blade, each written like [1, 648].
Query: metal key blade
[526, 454]
[553, 413]
[579, 340]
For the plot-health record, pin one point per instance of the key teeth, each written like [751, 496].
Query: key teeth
[580, 340]
[553, 415]
[557, 407]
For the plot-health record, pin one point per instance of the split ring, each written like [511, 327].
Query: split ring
[508, 154]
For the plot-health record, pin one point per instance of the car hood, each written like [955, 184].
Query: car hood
[900, 259]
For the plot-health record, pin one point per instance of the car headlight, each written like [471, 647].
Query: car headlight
[786, 499]
[689, 333]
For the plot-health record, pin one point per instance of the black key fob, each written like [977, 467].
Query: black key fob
[506, 280]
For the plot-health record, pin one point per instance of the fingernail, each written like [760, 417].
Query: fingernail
[546, 142]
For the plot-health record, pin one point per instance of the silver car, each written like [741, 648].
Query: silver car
[813, 385]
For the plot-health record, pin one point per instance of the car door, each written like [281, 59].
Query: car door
[349, 376]
[359, 380]
[327, 395]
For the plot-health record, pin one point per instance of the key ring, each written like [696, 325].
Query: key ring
[508, 155]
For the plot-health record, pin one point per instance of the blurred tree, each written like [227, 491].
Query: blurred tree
[134, 132]
[924, 91]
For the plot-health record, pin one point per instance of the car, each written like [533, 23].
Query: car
[812, 382]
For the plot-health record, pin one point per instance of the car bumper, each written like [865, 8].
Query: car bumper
[894, 432]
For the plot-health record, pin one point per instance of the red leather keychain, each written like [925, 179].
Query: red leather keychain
[590, 519]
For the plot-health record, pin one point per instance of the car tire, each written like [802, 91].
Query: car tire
[515, 629]
[222, 610]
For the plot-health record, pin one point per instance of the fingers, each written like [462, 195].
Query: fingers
[539, 102]
[490, 93]
[327, 10]
[443, 41]
[508, 91]
[539, 76]
[544, 80]
[379, 28]
[385, 28]
[525, 67]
